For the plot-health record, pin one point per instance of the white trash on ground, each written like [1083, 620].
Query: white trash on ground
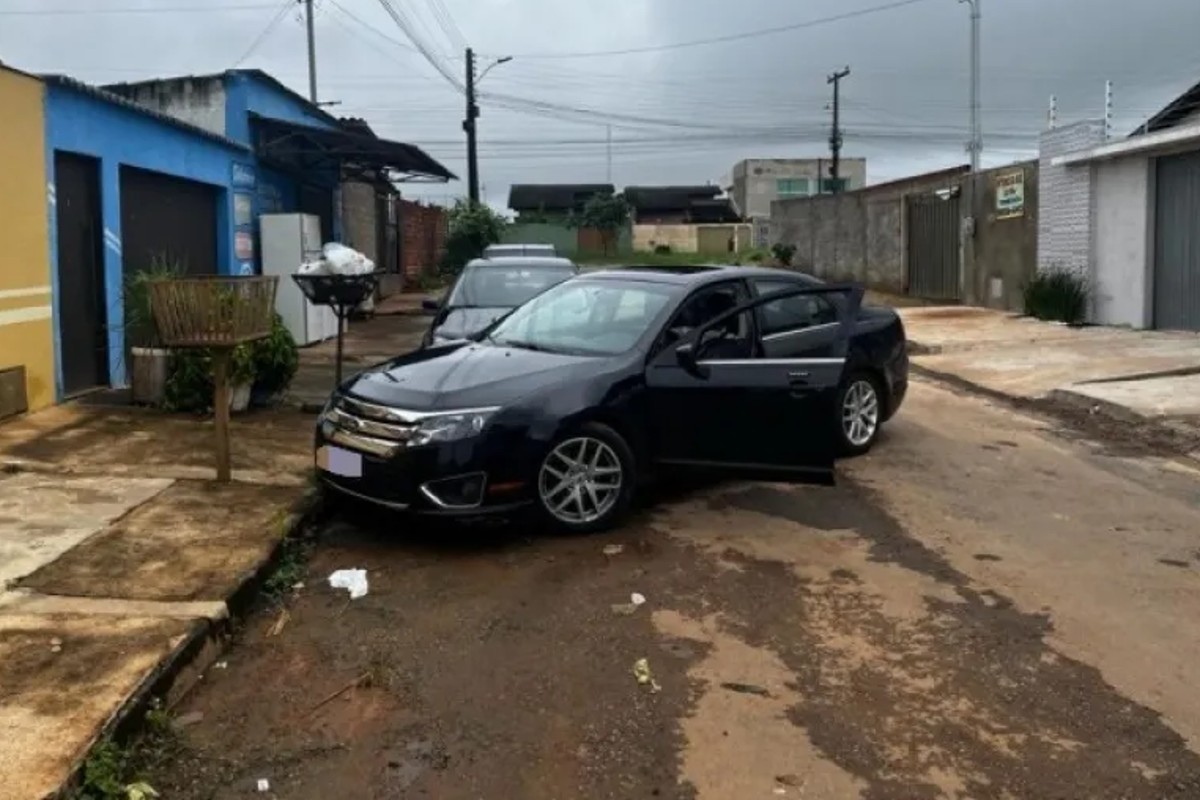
[264, 785]
[637, 598]
[353, 580]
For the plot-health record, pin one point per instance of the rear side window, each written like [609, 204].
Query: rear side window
[792, 314]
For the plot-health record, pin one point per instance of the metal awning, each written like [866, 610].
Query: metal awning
[353, 154]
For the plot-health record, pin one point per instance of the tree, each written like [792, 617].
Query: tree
[470, 228]
[607, 213]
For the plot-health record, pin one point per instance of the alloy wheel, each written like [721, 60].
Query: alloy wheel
[580, 480]
[860, 412]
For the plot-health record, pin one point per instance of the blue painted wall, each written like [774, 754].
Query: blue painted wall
[79, 122]
[274, 191]
[247, 93]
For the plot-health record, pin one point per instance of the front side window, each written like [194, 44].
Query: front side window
[586, 317]
[732, 339]
[791, 314]
[490, 286]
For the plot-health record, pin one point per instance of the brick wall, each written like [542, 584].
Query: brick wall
[1067, 198]
[422, 238]
[358, 219]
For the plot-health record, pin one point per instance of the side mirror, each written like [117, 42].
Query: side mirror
[685, 354]
[430, 306]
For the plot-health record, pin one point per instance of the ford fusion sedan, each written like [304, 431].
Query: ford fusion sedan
[570, 402]
[487, 289]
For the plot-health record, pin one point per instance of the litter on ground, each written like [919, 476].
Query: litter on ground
[614, 549]
[641, 671]
[637, 599]
[353, 580]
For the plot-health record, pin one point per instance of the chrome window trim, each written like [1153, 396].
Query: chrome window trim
[770, 337]
[776, 362]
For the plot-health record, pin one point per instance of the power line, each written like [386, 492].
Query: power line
[405, 24]
[445, 21]
[733, 37]
[67, 12]
[265, 32]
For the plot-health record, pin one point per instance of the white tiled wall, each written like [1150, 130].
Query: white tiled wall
[1067, 198]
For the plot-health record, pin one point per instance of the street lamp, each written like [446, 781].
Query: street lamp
[975, 146]
[469, 122]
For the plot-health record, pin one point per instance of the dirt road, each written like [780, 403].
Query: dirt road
[982, 609]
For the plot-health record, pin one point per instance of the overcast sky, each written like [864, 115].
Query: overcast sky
[676, 114]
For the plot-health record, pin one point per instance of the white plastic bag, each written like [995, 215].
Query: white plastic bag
[344, 260]
[354, 580]
[319, 267]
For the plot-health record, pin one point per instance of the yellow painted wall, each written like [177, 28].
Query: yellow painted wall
[26, 327]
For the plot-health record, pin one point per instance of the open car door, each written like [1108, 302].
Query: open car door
[721, 404]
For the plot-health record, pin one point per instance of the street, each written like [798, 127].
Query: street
[983, 608]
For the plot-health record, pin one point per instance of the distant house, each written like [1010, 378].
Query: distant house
[755, 183]
[679, 205]
[552, 202]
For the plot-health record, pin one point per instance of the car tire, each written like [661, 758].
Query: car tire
[859, 413]
[586, 481]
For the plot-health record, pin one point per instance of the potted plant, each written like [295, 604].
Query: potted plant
[241, 377]
[189, 381]
[276, 359]
[148, 359]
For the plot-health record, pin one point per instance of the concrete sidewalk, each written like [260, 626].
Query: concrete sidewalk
[395, 329]
[119, 560]
[1149, 376]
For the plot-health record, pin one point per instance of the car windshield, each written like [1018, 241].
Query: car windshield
[590, 317]
[504, 286]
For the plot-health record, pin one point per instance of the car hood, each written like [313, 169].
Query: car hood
[468, 376]
[459, 323]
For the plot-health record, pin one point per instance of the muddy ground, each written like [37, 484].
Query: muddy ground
[982, 608]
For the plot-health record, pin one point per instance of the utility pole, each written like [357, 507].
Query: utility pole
[312, 50]
[975, 146]
[609, 149]
[835, 137]
[469, 127]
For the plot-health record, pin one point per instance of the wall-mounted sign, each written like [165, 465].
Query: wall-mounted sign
[242, 176]
[243, 209]
[243, 246]
[1010, 194]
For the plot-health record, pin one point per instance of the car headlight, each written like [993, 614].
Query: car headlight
[451, 426]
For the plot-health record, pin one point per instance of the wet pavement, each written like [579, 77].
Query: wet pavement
[981, 609]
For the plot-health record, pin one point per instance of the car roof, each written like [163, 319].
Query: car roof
[694, 275]
[521, 261]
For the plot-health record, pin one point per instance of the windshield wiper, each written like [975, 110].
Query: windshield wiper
[521, 345]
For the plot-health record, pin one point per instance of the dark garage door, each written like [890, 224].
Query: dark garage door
[167, 218]
[1177, 244]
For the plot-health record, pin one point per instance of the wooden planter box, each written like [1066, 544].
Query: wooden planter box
[13, 400]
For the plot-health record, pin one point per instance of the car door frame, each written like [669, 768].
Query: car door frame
[807, 384]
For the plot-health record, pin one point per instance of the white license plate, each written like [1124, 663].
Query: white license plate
[337, 461]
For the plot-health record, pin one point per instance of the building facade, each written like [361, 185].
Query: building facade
[26, 311]
[755, 183]
[1122, 215]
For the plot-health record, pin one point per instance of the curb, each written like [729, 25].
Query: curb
[1069, 407]
[179, 671]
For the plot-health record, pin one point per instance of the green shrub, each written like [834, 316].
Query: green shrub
[783, 253]
[662, 249]
[1057, 295]
[470, 228]
[189, 384]
[275, 359]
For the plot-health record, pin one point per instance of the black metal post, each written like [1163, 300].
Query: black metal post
[469, 127]
[341, 315]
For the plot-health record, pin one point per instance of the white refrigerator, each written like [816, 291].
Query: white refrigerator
[287, 241]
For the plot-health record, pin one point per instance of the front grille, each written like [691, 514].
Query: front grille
[372, 428]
